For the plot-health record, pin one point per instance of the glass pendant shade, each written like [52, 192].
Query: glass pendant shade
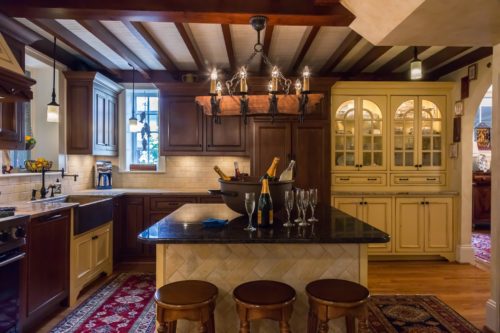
[416, 69]
[53, 112]
[133, 124]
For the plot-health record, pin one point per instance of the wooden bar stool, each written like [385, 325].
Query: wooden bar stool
[264, 299]
[333, 298]
[191, 300]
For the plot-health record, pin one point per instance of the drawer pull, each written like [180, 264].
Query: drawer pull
[50, 218]
[95, 237]
[432, 179]
[403, 179]
[372, 179]
[345, 179]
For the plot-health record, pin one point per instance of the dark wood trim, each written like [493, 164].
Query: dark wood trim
[228, 41]
[190, 45]
[268, 36]
[143, 35]
[439, 57]
[349, 42]
[100, 31]
[17, 30]
[279, 12]
[58, 30]
[307, 44]
[373, 54]
[461, 62]
[70, 60]
[399, 60]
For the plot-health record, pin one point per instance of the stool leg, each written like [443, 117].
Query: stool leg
[244, 326]
[312, 322]
[162, 328]
[172, 326]
[323, 327]
[284, 326]
[350, 324]
[211, 323]
[363, 320]
[203, 328]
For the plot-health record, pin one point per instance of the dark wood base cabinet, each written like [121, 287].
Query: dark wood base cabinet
[481, 199]
[135, 213]
[46, 269]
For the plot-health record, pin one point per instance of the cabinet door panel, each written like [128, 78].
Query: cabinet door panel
[84, 256]
[409, 225]
[349, 206]
[112, 124]
[229, 136]
[134, 222]
[377, 212]
[101, 246]
[100, 117]
[270, 140]
[80, 123]
[180, 124]
[310, 147]
[438, 225]
[12, 125]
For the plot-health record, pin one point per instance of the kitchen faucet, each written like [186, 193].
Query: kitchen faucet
[43, 190]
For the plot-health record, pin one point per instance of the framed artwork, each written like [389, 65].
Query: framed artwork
[457, 129]
[464, 87]
[472, 72]
[459, 108]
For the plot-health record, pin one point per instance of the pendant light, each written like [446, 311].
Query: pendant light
[53, 107]
[132, 122]
[415, 66]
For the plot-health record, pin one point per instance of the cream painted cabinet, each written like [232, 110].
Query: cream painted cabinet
[374, 211]
[358, 133]
[418, 133]
[91, 254]
[424, 226]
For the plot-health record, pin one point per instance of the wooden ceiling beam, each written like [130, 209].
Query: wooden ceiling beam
[100, 31]
[58, 30]
[399, 60]
[279, 12]
[305, 48]
[373, 54]
[461, 62]
[191, 46]
[268, 36]
[143, 35]
[339, 54]
[439, 57]
[228, 41]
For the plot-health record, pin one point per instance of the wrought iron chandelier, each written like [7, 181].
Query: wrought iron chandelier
[278, 84]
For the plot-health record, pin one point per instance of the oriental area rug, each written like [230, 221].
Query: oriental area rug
[481, 244]
[126, 304]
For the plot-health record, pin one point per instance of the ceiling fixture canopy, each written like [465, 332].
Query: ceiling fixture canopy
[278, 84]
[416, 66]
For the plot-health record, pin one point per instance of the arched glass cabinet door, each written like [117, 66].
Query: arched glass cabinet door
[403, 135]
[372, 142]
[344, 135]
[431, 135]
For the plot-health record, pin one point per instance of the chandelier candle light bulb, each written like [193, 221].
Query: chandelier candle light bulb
[218, 89]
[274, 81]
[213, 81]
[298, 87]
[306, 74]
[243, 80]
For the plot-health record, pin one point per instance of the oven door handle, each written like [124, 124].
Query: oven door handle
[12, 259]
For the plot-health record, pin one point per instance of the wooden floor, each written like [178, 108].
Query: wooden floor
[464, 287]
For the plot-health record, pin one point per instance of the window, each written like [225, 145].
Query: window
[145, 142]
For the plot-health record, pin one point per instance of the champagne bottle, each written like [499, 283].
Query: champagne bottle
[221, 174]
[287, 174]
[271, 172]
[237, 173]
[265, 207]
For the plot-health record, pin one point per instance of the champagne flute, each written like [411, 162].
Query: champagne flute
[250, 207]
[297, 202]
[304, 198]
[289, 206]
[313, 201]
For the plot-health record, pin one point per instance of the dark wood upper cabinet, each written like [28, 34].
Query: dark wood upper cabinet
[228, 136]
[181, 125]
[92, 116]
[270, 140]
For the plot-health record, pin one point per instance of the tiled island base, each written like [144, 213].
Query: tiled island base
[228, 265]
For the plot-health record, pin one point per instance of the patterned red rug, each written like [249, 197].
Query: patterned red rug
[123, 305]
[482, 246]
[415, 314]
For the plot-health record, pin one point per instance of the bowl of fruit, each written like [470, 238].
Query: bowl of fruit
[37, 165]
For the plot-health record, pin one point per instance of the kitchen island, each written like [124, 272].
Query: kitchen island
[335, 247]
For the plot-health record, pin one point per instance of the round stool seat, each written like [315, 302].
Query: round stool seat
[337, 291]
[264, 292]
[185, 293]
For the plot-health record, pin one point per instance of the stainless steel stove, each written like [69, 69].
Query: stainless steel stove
[12, 253]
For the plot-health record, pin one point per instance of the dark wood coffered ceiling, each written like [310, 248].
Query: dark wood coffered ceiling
[165, 39]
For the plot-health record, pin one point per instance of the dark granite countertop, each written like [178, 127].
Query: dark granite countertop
[184, 226]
